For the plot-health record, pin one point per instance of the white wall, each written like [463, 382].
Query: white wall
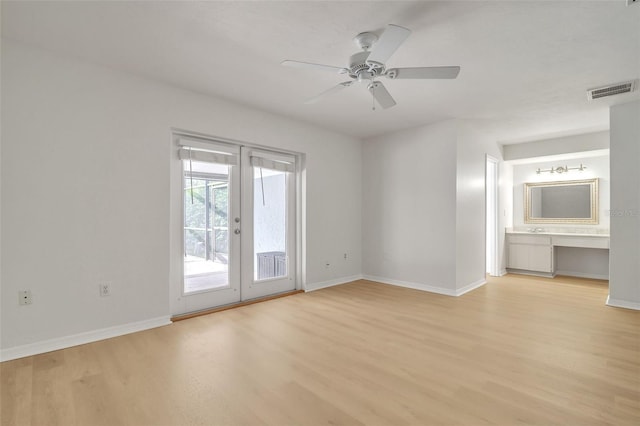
[595, 141]
[597, 167]
[424, 207]
[624, 281]
[85, 191]
[409, 207]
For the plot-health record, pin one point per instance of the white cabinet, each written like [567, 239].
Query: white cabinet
[536, 254]
[540, 258]
[530, 253]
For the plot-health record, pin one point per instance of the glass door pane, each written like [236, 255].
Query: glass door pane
[206, 226]
[269, 224]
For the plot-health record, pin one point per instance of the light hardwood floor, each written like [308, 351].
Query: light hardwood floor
[519, 350]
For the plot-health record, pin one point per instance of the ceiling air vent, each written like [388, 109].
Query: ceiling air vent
[612, 89]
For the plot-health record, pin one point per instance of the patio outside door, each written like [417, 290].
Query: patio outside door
[238, 230]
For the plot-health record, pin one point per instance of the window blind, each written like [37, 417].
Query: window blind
[207, 156]
[272, 161]
[207, 151]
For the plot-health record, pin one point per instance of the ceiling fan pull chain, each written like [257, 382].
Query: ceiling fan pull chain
[373, 99]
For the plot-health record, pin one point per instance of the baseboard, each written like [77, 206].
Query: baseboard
[472, 286]
[80, 338]
[503, 272]
[415, 286]
[583, 275]
[617, 303]
[331, 283]
[531, 273]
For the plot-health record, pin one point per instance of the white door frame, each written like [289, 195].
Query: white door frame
[491, 216]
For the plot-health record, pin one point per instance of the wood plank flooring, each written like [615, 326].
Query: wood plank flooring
[519, 350]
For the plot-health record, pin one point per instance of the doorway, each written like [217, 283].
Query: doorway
[237, 227]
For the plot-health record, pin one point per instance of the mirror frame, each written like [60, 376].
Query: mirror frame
[593, 220]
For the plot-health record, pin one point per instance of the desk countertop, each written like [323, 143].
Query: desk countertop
[564, 234]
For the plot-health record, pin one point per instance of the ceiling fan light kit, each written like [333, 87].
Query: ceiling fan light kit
[369, 64]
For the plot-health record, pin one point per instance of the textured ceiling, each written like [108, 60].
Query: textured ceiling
[525, 65]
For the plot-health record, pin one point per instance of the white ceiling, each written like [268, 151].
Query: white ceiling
[526, 66]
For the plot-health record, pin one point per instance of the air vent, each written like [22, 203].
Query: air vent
[612, 89]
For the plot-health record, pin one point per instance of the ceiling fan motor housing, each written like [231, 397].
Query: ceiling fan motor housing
[359, 69]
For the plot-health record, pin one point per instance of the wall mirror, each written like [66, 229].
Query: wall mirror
[573, 201]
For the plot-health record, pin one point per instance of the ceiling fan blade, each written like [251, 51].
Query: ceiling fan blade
[331, 91]
[381, 94]
[423, 72]
[308, 65]
[388, 43]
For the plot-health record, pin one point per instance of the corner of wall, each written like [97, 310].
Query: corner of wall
[473, 145]
[624, 252]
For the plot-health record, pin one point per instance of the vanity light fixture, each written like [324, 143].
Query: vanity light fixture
[561, 169]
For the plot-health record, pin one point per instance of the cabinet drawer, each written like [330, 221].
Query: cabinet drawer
[586, 242]
[530, 239]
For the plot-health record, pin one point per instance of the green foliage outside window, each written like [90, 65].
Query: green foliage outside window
[195, 216]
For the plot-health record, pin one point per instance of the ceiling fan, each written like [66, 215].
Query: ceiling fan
[366, 66]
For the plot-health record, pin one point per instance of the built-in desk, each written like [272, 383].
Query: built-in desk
[540, 253]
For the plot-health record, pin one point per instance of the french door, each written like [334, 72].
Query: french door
[238, 227]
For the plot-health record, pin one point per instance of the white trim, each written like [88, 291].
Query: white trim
[503, 272]
[618, 303]
[428, 288]
[301, 221]
[469, 287]
[532, 273]
[331, 283]
[494, 239]
[81, 338]
[583, 275]
[415, 286]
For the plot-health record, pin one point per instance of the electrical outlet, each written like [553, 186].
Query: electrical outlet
[104, 289]
[24, 297]
[326, 264]
[345, 256]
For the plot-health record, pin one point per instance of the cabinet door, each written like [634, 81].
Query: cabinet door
[519, 256]
[540, 258]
